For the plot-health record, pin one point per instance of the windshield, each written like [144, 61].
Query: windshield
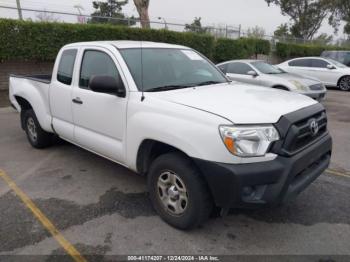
[344, 57]
[266, 68]
[166, 69]
[336, 63]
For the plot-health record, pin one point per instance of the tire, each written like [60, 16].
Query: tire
[193, 199]
[344, 83]
[37, 137]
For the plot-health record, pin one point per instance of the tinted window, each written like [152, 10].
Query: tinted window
[223, 68]
[300, 63]
[239, 68]
[169, 67]
[329, 54]
[66, 66]
[266, 68]
[340, 56]
[96, 63]
[319, 63]
[344, 57]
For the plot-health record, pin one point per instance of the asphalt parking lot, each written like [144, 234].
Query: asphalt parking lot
[102, 208]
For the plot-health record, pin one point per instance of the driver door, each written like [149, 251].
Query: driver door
[99, 118]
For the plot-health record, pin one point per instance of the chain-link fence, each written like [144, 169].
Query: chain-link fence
[218, 31]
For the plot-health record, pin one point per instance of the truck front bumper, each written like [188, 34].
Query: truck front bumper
[266, 183]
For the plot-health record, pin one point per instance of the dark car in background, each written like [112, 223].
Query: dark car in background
[340, 56]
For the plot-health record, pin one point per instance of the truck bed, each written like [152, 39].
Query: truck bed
[34, 89]
[39, 78]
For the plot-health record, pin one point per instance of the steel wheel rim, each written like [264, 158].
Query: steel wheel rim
[172, 193]
[345, 84]
[32, 132]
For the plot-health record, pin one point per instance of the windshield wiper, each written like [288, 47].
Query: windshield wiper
[206, 83]
[167, 88]
[174, 87]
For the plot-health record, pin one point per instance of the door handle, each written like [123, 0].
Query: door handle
[77, 101]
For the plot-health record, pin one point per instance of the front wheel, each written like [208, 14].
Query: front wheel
[177, 191]
[37, 137]
[344, 83]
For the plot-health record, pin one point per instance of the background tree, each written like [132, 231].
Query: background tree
[112, 9]
[306, 16]
[142, 9]
[323, 39]
[256, 32]
[282, 31]
[341, 12]
[196, 26]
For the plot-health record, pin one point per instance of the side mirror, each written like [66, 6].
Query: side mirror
[108, 85]
[331, 67]
[252, 73]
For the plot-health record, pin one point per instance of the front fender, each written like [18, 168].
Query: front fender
[192, 131]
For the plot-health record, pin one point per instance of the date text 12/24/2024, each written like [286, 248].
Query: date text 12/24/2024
[173, 258]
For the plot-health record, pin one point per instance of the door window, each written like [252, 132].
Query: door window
[239, 68]
[300, 63]
[96, 63]
[319, 63]
[66, 66]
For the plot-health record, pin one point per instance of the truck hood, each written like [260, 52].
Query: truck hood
[239, 103]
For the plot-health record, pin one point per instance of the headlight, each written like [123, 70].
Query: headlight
[299, 86]
[248, 141]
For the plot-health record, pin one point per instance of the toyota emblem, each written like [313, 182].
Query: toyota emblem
[314, 127]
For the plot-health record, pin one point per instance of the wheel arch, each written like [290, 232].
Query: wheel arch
[36, 103]
[340, 78]
[25, 105]
[149, 150]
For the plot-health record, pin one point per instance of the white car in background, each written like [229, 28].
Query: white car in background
[260, 73]
[328, 71]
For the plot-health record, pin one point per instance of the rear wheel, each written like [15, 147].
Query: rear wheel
[37, 137]
[178, 193]
[344, 83]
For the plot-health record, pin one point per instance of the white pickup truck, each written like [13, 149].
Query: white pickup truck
[167, 112]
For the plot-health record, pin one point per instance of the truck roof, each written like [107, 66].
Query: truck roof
[123, 44]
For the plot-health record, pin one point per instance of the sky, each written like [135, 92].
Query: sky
[247, 13]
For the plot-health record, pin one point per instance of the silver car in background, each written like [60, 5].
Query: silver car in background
[260, 73]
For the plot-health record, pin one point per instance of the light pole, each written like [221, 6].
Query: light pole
[165, 23]
[81, 18]
[19, 10]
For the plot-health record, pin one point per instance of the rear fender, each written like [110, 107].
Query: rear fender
[36, 96]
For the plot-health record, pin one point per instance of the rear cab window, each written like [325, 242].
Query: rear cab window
[66, 66]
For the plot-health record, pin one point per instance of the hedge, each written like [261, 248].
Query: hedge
[229, 49]
[284, 50]
[41, 41]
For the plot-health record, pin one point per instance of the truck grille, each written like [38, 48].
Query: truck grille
[316, 87]
[297, 133]
[300, 134]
